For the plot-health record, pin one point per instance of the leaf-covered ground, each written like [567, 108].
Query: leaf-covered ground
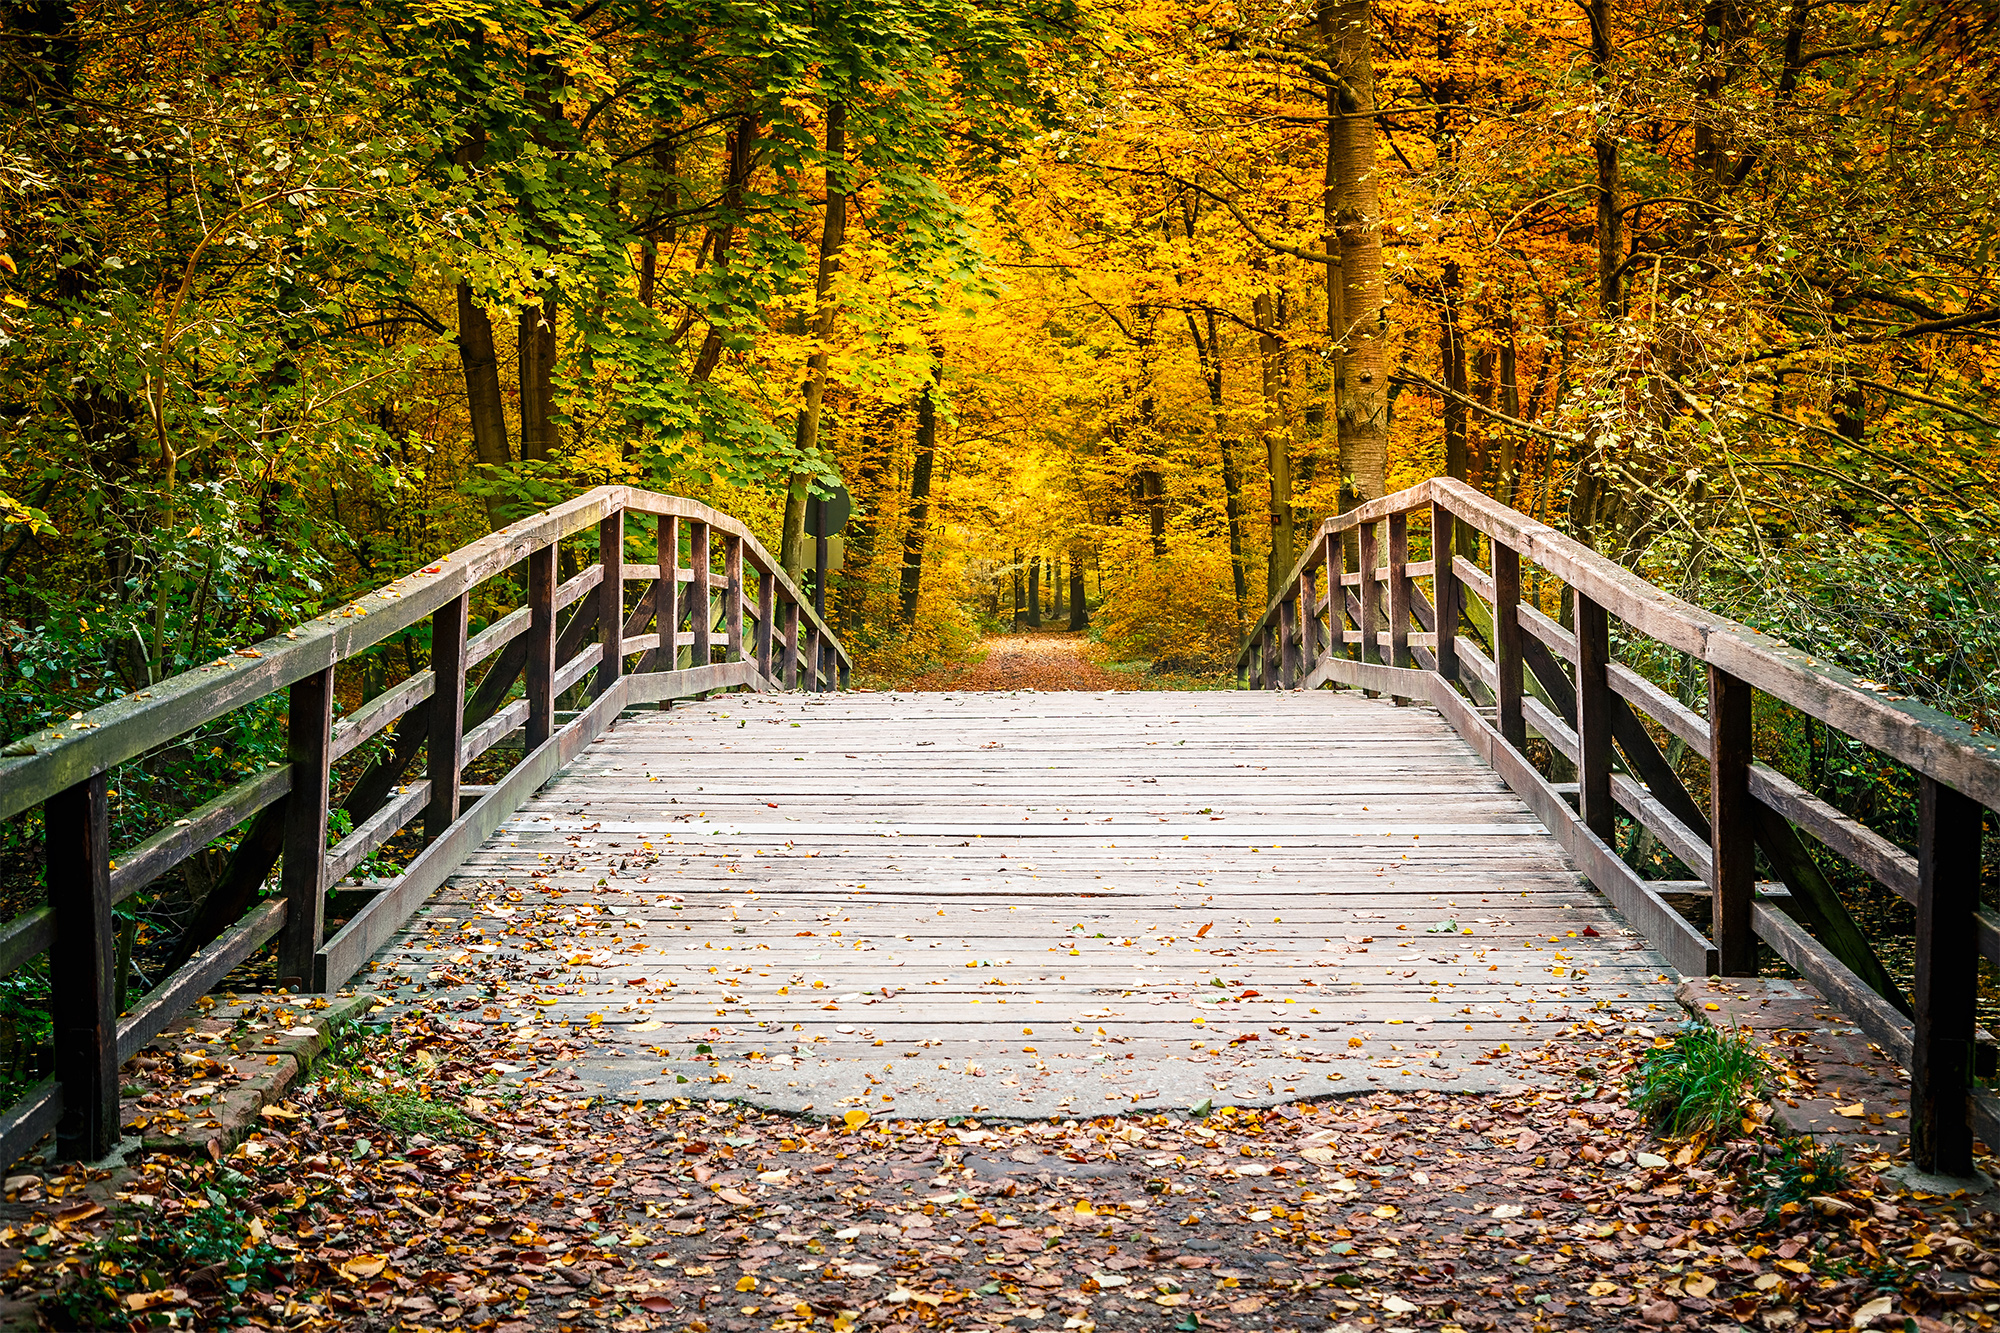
[413, 1184]
[1037, 660]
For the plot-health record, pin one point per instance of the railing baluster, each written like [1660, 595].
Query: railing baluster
[812, 657]
[539, 673]
[447, 713]
[767, 589]
[668, 612]
[701, 611]
[788, 646]
[302, 873]
[1371, 651]
[732, 598]
[83, 987]
[1288, 653]
[1507, 643]
[1949, 828]
[1399, 590]
[1444, 592]
[1308, 621]
[1732, 825]
[611, 601]
[1594, 702]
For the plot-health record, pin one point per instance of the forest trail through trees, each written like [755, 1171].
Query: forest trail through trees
[1034, 661]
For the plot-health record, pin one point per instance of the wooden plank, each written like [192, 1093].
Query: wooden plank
[1695, 853]
[374, 925]
[690, 682]
[303, 879]
[1669, 712]
[447, 721]
[539, 673]
[767, 590]
[574, 588]
[83, 978]
[365, 722]
[1402, 682]
[1732, 828]
[1551, 635]
[28, 1121]
[1468, 575]
[196, 977]
[25, 937]
[578, 667]
[611, 602]
[379, 827]
[1847, 992]
[135, 868]
[1889, 864]
[1950, 826]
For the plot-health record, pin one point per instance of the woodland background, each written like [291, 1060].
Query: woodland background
[295, 296]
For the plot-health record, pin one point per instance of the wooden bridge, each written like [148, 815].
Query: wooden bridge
[1028, 904]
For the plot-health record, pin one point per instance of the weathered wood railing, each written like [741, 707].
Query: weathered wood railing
[1355, 612]
[692, 627]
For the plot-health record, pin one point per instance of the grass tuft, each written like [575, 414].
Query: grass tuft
[1700, 1083]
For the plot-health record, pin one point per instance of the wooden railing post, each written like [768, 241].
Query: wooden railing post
[1507, 643]
[1594, 702]
[1288, 653]
[1445, 592]
[1732, 823]
[611, 602]
[539, 672]
[1399, 590]
[788, 646]
[767, 591]
[1949, 828]
[668, 612]
[1272, 657]
[701, 612]
[447, 714]
[732, 597]
[1308, 620]
[1371, 649]
[302, 873]
[83, 985]
[812, 657]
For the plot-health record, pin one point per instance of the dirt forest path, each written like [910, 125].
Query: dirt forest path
[1037, 660]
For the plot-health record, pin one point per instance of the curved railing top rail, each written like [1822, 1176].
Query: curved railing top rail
[35, 766]
[1933, 743]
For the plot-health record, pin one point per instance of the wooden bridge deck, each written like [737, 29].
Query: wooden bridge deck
[1023, 904]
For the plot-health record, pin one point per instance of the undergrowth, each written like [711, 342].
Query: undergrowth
[135, 1264]
[1700, 1083]
[357, 1072]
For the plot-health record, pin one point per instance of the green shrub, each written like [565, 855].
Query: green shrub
[1699, 1083]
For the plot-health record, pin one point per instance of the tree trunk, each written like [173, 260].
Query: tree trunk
[920, 503]
[741, 151]
[833, 235]
[1362, 419]
[1277, 442]
[1605, 145]
[1034, 592]
[1056, 586]
[536, 343]
[1019, 609]
[1209, 352]
[1079, 614]
[477, 358]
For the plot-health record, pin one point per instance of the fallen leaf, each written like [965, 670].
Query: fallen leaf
[363, 1266]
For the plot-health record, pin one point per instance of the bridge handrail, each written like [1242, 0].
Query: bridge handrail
[1329, 625]
[773, 642]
